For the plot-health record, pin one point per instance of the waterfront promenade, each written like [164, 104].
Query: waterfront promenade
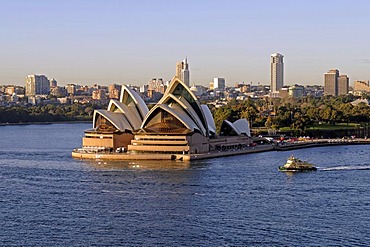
[320, 143]
[188, 157]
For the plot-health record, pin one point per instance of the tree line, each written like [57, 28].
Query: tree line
[297, 114]
[47, 113]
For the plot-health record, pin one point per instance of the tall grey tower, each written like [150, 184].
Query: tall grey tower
[182, 71]
[277, 72]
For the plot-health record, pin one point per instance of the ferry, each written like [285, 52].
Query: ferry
[294, 164]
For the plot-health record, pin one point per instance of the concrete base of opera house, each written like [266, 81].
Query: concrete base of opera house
[216, 154]
[180, 157]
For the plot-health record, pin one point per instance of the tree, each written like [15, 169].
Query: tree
[89, 110]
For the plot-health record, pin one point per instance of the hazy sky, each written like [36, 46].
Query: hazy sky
[106, 41]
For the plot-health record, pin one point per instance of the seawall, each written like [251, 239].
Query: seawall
[217, 154]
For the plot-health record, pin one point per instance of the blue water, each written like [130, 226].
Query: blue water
[49, 199]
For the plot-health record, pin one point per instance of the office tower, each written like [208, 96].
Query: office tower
[343, 85]
[331, 82]
[335, 84]
[37, 85]
[219, 84]
[182, 71]
[277, 72]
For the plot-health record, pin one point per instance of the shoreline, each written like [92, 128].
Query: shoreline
[45, 123]
[190, 157]
[322, 143]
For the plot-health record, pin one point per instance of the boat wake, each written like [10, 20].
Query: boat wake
[345, 168]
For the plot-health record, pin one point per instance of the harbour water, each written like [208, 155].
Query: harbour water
[49, 199]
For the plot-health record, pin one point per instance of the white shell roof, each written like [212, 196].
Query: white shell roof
[200, 120]
[117, 119]
[139, 102]
[242, 126]
[209, 118]
[186, 107]
[131, 114]
[177, 112]
[232, 126]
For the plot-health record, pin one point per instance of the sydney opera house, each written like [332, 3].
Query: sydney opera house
[177, 127]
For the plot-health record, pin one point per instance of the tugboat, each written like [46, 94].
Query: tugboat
[294, 164]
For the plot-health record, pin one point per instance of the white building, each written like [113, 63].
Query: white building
[37, 85]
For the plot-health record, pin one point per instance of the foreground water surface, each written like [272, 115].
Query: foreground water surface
[47, 198]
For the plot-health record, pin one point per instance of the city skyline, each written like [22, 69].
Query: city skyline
[88, 42]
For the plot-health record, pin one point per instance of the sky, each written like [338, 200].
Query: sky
[129, 42]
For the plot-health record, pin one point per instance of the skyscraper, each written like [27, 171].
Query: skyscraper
[343, 85]
[331, 82]
[182, 71]
[37, 85]
[277, 72]
[335, 84]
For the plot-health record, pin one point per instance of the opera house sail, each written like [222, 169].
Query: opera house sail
[177, 127]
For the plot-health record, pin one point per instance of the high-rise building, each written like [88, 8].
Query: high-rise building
[219, 84]
[37, 85]
[277, 72]
[182, 71]
[343, 85]
[331, 82]
[335, 84]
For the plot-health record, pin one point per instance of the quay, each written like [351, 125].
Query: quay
[216, 154]
[162, 156]
[321, 143]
